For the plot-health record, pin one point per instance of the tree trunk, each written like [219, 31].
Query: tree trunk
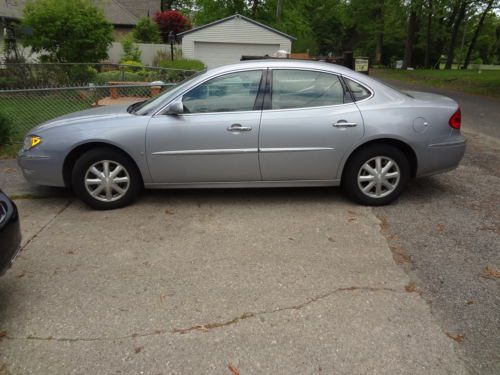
[410, 38]
[255, 5]
[476, 34]
[379, 16]
[454, 34]
[380, 48]
[451, 20]
[428, 41]
[278, 10]
[166, 5]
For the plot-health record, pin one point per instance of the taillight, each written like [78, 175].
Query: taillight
[456, 119]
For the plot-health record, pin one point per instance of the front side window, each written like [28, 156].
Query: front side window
[228, 93]
[359, 91]
[303, 88]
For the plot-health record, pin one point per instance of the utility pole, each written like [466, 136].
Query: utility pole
[278, 10]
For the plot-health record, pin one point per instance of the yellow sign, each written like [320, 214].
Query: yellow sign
[361, 65]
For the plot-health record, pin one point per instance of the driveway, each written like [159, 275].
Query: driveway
[296, 281]
[445, 232]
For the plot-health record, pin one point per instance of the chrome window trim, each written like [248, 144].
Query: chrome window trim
[307, 108]
[213, 113]
[262, 70]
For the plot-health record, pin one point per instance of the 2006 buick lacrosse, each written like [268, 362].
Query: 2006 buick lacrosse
[264, 123]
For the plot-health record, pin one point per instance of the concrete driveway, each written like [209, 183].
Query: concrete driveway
[296, 281]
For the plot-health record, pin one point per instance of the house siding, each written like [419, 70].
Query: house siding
[235, 30]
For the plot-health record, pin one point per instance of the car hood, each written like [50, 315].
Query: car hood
[86, 116]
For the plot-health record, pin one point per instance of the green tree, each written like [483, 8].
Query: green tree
[212, 10]
[146, 31]
[131, 51]
[476, 33]
[416, 31]
[67, 31]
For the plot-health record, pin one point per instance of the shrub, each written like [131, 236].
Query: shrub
[80, 74]
[146, 31]
[160, 56]
[171, 21]
[185, 64]
[67, 31]
[133, 66]
[116, 75]
[131, 51]
[5, 129]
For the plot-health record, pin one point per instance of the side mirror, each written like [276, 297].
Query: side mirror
[176, 108]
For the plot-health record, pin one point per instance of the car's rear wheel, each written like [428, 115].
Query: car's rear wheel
[106, 179]
[376, 175]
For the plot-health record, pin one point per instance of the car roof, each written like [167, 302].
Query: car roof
[287, 63]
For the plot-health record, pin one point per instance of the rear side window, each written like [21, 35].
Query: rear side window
[359, 91]
[304, 88]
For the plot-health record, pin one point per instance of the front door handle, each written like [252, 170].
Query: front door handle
[344, 124]
[238, 128]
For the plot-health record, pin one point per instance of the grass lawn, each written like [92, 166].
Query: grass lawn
[26, 111]
[486, 82]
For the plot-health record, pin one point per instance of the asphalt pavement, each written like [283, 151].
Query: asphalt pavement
[445, 232]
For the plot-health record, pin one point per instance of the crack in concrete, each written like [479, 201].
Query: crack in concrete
[68, 203]
[209, 326]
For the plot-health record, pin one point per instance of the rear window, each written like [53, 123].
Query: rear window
[359, 91]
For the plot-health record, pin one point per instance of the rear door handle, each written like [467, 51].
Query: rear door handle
[345, 124]
[238, 128]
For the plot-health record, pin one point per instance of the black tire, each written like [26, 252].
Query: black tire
[369, 153]
[97, 155]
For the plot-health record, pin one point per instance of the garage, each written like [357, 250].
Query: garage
[229, 52]
[225, 41]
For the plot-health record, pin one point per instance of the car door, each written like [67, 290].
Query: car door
[215, 139]
[308, 123]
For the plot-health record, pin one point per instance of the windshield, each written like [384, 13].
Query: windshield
[148, 106]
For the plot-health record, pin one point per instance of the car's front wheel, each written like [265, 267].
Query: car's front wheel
[376, 175]
[106, 179]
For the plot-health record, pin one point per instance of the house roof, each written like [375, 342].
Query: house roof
[236, 16]
[115, 12]
[12, 9]
[140, 8]
[118, 14]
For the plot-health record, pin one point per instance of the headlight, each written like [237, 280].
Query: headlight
[31, 141]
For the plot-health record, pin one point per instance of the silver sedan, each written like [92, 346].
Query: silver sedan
[262, 123]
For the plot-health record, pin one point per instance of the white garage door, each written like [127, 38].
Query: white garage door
[217, 54]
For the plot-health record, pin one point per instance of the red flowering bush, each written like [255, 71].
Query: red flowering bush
[171, 20]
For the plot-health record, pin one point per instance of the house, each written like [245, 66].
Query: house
[141, 8]
[226, 40]
[123, 14]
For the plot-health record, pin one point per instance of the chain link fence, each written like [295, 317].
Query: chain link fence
[28, 108]
[31, 94]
